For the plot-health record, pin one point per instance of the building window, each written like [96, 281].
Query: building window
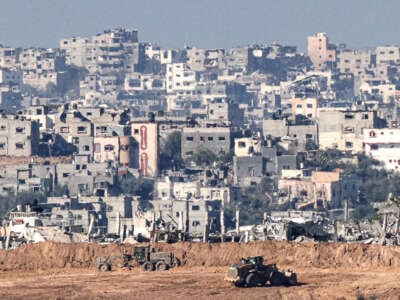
[19, 146]
[2, 146]
[349, 145]
[309, 105]
[221, 138]
[365, 117]
[348, 130]
[19, 130]
[64, 129]
[196, 223]
[210, 138]
[108, 147]
[372, 134]
[195, 207]
[189, 138]
[348, 117]
[81, 129]
[374, 147]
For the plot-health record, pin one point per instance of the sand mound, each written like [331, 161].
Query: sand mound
[49, 255]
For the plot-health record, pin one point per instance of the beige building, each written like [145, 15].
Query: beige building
[387, 54]
[71, 124]
[319, 51]
[247, 146]
[106, 148]
[354, 62]
[305, 106]
[322, 189]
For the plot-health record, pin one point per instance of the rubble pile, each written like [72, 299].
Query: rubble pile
[51, 255]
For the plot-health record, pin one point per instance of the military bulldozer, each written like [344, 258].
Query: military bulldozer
[251, 272]
[149, 259]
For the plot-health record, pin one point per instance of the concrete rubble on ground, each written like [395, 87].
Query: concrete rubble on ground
[306, 226]
[24, 227]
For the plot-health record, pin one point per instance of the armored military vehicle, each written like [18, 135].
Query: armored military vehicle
[251, 272]
[149, 259]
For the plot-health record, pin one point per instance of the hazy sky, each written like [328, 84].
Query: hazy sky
[203, 23]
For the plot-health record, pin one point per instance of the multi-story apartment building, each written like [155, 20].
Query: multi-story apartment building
[180, 78]
[305, 106]
[75, 50]
[144, 82]
[41, 67]
[355, 62]
[320, 51]
[112, 51]
[383, 145]
[200, 60]
[18, 136]
[10, 76]
[145, 152]
[214, 139]
[343, 130]
[8, 57]
[387, 55]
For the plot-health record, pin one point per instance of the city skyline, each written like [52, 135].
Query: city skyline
[203, 24]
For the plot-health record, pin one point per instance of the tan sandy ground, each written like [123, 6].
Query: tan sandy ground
[326, 271]
[194, 283]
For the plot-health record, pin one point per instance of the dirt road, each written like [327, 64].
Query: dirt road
[195, 283]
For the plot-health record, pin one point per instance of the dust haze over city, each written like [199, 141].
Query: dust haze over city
[199, 149]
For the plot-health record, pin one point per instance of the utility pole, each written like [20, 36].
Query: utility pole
[222, 225]
[346, 210]
[237, 221]
[205, 231]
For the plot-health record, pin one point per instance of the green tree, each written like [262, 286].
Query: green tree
[170, 154]
[134, 186]
[204, 157]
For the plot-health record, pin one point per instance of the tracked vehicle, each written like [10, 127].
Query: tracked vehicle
[251, 272]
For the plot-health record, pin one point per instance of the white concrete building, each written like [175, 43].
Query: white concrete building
[383, 145]
[180, 78]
